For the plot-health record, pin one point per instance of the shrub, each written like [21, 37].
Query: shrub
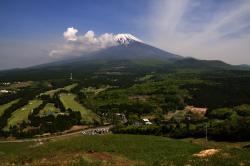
[220, 113]
[243, 110]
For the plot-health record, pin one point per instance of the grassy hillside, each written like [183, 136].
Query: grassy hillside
[118, 150]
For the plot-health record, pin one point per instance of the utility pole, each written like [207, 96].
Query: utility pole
[206, 135]
[206, 131]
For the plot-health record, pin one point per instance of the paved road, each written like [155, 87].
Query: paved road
[58, 136]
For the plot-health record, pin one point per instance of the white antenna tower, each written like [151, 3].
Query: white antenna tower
[71, 76]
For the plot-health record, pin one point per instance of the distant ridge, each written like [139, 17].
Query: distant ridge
[130, 55]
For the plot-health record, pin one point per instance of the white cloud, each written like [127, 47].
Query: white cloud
[70, 34]
[221, 37]
[82, 44]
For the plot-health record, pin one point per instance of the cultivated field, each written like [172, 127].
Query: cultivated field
[22, 113]
[68, 100]
[119, 150]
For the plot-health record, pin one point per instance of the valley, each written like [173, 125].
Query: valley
[178, 104]
[133, 109]
[125, 83]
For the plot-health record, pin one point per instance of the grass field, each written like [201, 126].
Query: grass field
[68, 100]
[49, 109]
[7, 105]
[52, 92]
[118, 150]
[22, 113]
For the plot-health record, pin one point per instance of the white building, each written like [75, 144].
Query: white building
[146, 121]
[4, 91]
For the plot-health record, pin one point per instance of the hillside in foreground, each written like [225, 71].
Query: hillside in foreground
[122, 150]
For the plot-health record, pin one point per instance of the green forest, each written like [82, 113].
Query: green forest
[161, 95]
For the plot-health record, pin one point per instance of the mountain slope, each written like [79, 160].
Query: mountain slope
[192, 63]
[134, 50]
[128, 47]
[130, 56]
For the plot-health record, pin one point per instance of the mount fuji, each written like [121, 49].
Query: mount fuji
[129, 47]
[129, 55]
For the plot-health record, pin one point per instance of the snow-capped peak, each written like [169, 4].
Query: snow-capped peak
[126, 38]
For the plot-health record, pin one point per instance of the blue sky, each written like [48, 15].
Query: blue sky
[205, 29]
[49, 18]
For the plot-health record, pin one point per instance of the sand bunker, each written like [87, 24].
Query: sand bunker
[206, 153]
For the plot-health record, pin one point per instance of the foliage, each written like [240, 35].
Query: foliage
[220, 113]
[243, 110]
[101, 89]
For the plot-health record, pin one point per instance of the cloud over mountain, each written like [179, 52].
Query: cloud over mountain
[76, 45]
[70, 34]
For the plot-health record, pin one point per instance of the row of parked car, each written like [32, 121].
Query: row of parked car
[96, 131]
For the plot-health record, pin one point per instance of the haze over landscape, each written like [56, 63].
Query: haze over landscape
[32, 32]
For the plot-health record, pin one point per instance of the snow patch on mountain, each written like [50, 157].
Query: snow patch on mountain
[126, 38]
